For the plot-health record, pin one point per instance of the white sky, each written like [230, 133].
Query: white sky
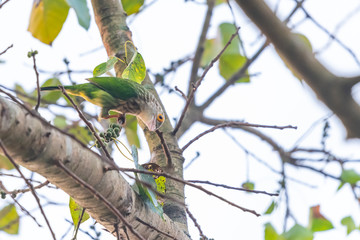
[168, 31]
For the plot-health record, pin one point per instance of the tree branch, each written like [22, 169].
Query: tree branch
[111, 20]
[329, 88]
[37, 145]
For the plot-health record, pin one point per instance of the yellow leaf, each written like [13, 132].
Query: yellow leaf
[9, 220]
[47, 18]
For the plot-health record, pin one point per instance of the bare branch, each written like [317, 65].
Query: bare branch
[32, 55]
[233, 188]
[31, 187]
[197, 84]
[331, 89]
[1, 53]
[165, 148]
[203, 237]
[200, 46]
[232, 124]
[2, 4]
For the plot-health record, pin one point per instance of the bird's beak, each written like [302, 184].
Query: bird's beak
[152, 124]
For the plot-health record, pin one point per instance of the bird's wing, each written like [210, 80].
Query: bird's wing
[117, 87]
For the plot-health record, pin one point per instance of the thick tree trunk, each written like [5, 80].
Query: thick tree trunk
[38, 146]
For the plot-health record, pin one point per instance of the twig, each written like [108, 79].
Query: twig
[78, 223]
[28, 189]
[234, 77]
[8, 46]
[1, 5]
[29, 185]
[338, 27]
[247, 64]
[234, 188]
[192, 160]
[196, 224]
[108, 204]
[116, 226]
[231, 124]
[32, 55]
[200, 46]
[191, 185]
[2, 187]
[154, 228]
[90, 126]
[181, 92]
[197, 84]
[331, 35]
[165, 148]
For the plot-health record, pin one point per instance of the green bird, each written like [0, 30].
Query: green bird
[120, 95]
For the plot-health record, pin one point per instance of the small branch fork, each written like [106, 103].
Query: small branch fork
[232, 124]
[197, 84]
[31, 187]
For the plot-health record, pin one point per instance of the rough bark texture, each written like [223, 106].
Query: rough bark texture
[111, 21]
[334, 91]
[36, 145]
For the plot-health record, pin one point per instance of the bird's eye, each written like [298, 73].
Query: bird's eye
[160, 117]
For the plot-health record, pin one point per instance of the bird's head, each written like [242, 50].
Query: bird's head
[153, 116]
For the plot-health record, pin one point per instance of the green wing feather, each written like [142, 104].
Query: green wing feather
[117, 87]
[89, 92]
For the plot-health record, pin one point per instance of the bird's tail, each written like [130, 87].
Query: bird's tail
[50, 88]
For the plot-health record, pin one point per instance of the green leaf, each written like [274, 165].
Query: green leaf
[317, 222]
[131, 131]
[145, 193]
[270, 232]
[47, 18]
[20, 92]
[104, 67]
[350, 176]
[136, 69]
[75, 211]
[5, 163]
[132, 6]
[9, 220]
[81, 133]
[271, 208]
[51, 96]
[231, 60]
[82, 12]
[298, 232]
[212, 47]
[218, 2]
[248, 185]
[60, 121]
[320, 224]
[349, 223]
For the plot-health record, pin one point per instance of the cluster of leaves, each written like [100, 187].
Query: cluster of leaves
[111, 133]
[232, 59]
[317, 223]
[134, 69]
[48, 17]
